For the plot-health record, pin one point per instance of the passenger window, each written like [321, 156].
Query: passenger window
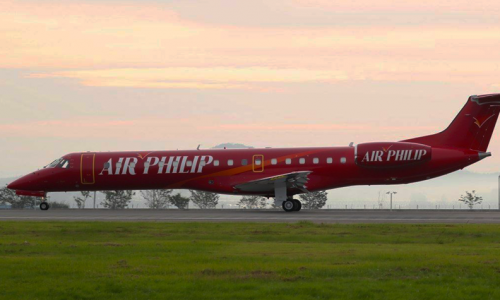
[274, 161]
[302, 161]
[203, 163]
[315, 160]
[343, 160]
[244, 162]
[288, 161]
[258, 162]
[189, 163]
[106, 165]
[176, 163]
[216, 163]
[329, 160]
[230, 162]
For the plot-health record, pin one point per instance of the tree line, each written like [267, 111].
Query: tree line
[8, 196]
[155, 199]
[160, 199]
[313, 200]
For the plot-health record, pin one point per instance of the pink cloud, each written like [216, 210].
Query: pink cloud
[195, 78]
[153, 128]
[102, 38]
[316, 127]
[430, 6]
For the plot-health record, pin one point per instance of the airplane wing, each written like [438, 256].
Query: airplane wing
[295, 180]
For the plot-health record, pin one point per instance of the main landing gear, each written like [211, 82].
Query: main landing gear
[280, 196]
[291, 205]
[44, 205]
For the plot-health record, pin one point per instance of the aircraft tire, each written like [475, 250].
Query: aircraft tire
[297, 204]
[289, 205]
[44, 206]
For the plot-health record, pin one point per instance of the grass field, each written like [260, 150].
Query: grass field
[102, 260]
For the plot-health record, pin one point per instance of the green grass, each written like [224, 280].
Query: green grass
[102, 260]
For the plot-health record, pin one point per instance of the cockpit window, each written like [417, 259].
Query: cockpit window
[53, 164]
[58, 163]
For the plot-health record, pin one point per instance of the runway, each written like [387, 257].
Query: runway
[229, 215]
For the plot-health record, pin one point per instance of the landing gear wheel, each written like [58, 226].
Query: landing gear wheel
[44, 206]
[289, 205]
[298, 205]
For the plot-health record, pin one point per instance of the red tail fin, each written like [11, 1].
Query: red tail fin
[472, 127]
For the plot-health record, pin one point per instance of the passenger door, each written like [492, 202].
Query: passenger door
[258, 163]
[87, 164]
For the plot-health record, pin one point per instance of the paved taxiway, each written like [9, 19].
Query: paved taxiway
[227, 215]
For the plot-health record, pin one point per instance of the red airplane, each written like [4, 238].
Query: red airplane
[279, 173]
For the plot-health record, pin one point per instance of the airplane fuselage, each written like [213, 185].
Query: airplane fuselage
[221, 170]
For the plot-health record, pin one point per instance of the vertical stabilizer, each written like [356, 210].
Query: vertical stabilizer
[471, 129]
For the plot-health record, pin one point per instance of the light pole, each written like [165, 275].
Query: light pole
[391, 193]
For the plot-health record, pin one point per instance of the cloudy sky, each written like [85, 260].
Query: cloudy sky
[99, 75]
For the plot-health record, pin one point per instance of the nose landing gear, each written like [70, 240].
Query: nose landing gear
[44, 205]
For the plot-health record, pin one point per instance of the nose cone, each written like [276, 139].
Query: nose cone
[23, 183]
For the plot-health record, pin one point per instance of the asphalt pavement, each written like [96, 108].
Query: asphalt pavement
[233, 215]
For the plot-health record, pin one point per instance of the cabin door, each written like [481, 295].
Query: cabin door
[258, 163]
[87, 168]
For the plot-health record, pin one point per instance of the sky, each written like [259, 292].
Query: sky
[88, 75]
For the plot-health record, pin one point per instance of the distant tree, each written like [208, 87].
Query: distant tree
[3, 195]
[204, 200]
[252, 202]
[117, 199]
[16, 201]
[178, 201]
[419, 200]
[80, 201]
[156, 199]
[471, 199]
[58, 205]
[273, 205]
[313, 200]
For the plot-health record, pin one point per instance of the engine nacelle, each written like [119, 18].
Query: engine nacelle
[391, 155]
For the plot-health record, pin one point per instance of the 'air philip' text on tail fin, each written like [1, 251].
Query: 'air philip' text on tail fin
[471, 129]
